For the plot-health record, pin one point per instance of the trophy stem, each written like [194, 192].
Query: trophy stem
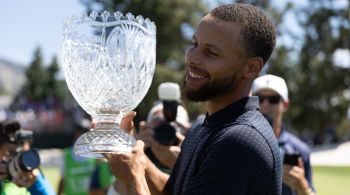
[106, 137]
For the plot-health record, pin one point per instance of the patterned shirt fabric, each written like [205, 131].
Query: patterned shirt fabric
[234, 151]
[290, 144]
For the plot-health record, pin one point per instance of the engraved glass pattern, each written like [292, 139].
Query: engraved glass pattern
[109, 62]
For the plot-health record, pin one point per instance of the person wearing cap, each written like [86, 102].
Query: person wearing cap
[166, 112]
[26, 182]
[273, 97]
[234, 151]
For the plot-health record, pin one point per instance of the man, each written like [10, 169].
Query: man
[76, 171]
[20, 182]
[234, 151]
[273, 95]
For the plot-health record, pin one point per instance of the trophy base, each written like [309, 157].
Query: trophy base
[95, 143]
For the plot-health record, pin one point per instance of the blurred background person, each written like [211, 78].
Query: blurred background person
[101, 178]
[273, 97]
[166, 125]
[19, 168]
[76, 171]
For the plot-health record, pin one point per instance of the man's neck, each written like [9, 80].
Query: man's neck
[219, 103]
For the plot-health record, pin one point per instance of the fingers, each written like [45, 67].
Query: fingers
[300, 162]
[139, 146]
[127, 123]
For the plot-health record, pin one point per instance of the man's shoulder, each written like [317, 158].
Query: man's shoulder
[245, 135]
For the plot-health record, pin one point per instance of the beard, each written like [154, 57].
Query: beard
[219, 87]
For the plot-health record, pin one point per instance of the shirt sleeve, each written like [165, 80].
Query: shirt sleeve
[308, 171]
[238, 163]
[41, 186]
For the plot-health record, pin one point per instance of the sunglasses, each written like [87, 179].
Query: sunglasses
[275, 99]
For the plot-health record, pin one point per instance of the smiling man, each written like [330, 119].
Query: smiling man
[234, 151]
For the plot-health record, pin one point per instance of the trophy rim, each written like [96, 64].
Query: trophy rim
[145, 24]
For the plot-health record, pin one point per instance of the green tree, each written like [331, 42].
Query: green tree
[35, 87]
[315, 83]
[51, 83]
[318, 83]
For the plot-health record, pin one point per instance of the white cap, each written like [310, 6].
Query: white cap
[181, 116]
[271, 82]
[169, 91]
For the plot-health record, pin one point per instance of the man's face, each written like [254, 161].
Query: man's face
[271, 103]
[214, 61]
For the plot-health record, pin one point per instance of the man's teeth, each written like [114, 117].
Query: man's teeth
[196, 76]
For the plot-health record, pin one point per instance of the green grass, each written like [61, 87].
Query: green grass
[332, 180]
[327, 180]
[53, 175]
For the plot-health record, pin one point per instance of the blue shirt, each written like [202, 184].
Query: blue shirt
[233, 152]
[290, 144]
[41, 186]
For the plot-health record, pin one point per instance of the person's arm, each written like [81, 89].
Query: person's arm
[130, 169]
[294, 177]
[133, 168]
[156, 179]
[41, 186]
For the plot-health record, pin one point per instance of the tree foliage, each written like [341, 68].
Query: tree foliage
[41, 81]
[34, 88]
[318, 99]
[316, 84]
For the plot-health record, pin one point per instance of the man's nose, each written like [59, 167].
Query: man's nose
[193, 56]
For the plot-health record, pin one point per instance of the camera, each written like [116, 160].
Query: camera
[291, 159]
[165, 131]
[21, 160]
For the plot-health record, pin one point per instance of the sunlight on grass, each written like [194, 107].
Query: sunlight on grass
[332, 180]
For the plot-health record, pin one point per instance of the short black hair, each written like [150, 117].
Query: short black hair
[258, 31]
[8, 131]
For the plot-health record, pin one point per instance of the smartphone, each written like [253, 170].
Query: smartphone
[291, 159]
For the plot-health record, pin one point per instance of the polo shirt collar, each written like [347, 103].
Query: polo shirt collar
[232, 111]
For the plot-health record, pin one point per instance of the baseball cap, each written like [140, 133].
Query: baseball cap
[271, 82]
[181, 117]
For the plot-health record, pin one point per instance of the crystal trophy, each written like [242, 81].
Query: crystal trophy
[109, 62]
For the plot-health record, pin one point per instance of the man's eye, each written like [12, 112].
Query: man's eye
[212, 53]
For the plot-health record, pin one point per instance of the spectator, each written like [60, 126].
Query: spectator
[13, 144]
[76, 171]
[273, 96]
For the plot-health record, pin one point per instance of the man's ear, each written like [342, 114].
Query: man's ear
[253, 67]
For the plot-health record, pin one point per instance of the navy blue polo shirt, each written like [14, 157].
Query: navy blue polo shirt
[290, 144]
[234, 151]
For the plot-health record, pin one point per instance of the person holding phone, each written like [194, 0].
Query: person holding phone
[273, 98]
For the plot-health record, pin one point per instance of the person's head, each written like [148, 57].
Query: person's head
[156, 115]
[273, 96]
[8, 145]
[229, 48]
